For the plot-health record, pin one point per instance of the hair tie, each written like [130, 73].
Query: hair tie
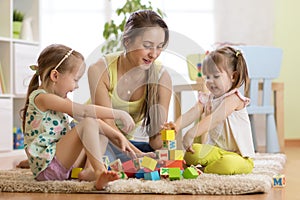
[35, 68]
[237, 53]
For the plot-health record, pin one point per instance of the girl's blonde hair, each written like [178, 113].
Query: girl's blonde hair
[229, 60]
[55, 56]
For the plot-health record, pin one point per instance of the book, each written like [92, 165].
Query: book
[2, 81]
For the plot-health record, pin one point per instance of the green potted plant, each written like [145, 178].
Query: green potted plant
[18, 17]
[112, 32]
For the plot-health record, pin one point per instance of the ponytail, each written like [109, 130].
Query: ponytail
[33, 85]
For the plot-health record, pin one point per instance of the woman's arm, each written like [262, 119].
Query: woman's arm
[228, 105]
[164, 97]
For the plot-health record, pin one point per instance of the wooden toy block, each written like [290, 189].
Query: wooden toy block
[149, 163]
[164, 172]
[138, 163]
[190, 173]
[129, 168]
[174, 164]
[279, 180]
[167, 135]
[75, 172]
[174, 174]
[105, 161]
[122, 175]
[176, 154]
[162, 154]
[140, 174]
[154, 176]
[169, 144]
[116, 166]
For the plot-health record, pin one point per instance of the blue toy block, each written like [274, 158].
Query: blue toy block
[154, 176]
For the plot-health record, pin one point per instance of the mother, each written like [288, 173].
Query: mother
[132, 80]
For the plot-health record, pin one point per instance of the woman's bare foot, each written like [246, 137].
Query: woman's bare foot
[105, 178]
[87, 174]
[24, 164]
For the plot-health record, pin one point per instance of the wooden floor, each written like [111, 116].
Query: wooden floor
[290, 192]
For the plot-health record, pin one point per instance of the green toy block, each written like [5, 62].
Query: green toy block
[190, 173]
[174, 174]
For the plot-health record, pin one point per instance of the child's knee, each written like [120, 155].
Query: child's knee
[203, 154]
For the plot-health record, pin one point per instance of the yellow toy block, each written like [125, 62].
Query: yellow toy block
[75, 172]
[176, 154]
[169, 144]
[149, 163]
[167, 135]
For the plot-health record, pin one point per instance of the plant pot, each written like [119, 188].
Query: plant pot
[17, 26]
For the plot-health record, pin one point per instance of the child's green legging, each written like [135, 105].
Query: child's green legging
[218, 161]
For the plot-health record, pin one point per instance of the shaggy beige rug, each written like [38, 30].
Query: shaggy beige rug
[260, 181]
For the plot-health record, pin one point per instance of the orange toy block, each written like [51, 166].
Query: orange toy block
[176, 154]
[167, 134]
[149, 163]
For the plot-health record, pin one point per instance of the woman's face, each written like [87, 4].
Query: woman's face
[146, 48]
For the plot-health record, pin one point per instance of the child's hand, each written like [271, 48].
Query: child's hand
[169, 126]
[127, 121]
[188, 140]
[149, 154]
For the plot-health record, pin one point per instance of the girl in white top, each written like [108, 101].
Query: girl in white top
[229, 146]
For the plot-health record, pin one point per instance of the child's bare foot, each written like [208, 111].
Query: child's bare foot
[87, 174]
[105, 178]
[24, 164]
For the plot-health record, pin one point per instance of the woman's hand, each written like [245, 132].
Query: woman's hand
[127, 121]
[169, 126]
[121, 141]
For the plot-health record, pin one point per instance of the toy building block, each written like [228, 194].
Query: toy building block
[116, 166]
[176, 154]
[105, 161]
[167, 135]
[174, 174]
[174, 164]
[149, 163]
[129, 168]
[75, 172]
[169, 144]
[138, 163]
[164, 172]
[122, 175]
[190, 173]
[162, 154]
[279, 180]
[140, 174]
[154, 176]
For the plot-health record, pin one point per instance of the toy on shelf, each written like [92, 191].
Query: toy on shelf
[18, 138]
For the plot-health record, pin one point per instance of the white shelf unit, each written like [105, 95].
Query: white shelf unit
[16, 55]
